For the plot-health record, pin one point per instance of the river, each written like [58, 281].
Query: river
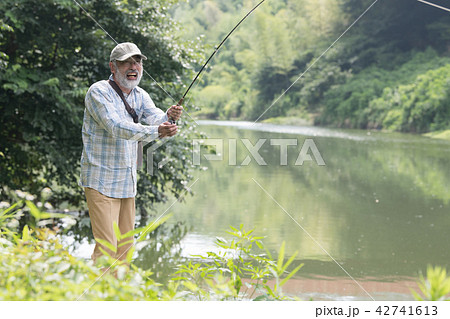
[367, 211]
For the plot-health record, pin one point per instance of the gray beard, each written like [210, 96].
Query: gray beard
[124, 82]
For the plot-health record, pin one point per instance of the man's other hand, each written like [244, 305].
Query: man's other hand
[166, 129]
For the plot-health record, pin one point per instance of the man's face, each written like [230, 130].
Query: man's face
[129, 72]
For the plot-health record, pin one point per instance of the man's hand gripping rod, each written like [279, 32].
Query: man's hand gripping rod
[180, 102]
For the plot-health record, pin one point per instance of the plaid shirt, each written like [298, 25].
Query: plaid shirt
[108, 161]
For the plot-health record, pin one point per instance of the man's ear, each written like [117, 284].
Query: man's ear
[111, 66]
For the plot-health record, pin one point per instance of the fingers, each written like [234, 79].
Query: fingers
[175, 112]
[167, 129]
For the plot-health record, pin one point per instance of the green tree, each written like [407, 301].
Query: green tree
[387, 31]
[50, 53]
[389, 46]
[416, 107]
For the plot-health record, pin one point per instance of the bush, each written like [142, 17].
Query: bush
[239, 272]
[435, 287]
[418, 107]
[411, 98]
[34, 265]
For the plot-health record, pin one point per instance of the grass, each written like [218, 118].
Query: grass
[444, 135]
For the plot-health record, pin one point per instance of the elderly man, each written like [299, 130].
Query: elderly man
[111, 131]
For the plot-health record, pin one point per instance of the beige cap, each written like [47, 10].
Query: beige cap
[123, 51]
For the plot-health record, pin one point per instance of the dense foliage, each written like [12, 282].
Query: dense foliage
[50, 53]
[390, 47]
[34, 265]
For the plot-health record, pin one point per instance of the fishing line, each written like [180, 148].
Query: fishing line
[317, 59]
[92, 18]
[434, 5]
[202, 68]
[217, 49]
[312, 238]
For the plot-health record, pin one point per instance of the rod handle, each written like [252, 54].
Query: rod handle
[180, 102]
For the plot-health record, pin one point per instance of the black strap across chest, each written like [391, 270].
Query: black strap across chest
[133, 114]
[129, 109]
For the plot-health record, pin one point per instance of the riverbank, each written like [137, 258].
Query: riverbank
[444, 135]
[289, 120]
[298, 121]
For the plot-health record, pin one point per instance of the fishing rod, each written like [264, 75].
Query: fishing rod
[204, 65]
[180, 102]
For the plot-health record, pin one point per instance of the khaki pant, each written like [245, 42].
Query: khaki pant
[104, 211]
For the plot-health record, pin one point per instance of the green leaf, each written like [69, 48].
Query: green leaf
[125, 243]
[288, 263]
[152, 226]
[269, 290]
[104, 252]
[22, 83]
[281, 257]
[107, 244]
[191, 286]
[45, 215]
[15, 67]
[117, 231]
[416, 295]
[38, 215]
[292, 273]
[179, 278]
[10, 86]
[234, 229]
[51, 82]
[246, 234]
[133, 232]
[259, 244]
[34, 211]
[7, 210]
[130, 253]
[26, 233]
[261, 298]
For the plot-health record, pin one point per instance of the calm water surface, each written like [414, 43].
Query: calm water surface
[364, 224]
[379, 207]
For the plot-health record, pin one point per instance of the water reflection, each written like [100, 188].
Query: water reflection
[380, 206]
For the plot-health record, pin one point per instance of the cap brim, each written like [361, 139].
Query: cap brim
[129, 55]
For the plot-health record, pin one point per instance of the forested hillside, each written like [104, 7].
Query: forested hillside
[389, 71]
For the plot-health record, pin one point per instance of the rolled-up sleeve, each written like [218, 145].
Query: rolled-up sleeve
[152, 115]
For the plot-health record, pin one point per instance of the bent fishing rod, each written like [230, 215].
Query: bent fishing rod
[204, 65]
[180, 102]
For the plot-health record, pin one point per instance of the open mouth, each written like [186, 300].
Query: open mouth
[132, 76]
